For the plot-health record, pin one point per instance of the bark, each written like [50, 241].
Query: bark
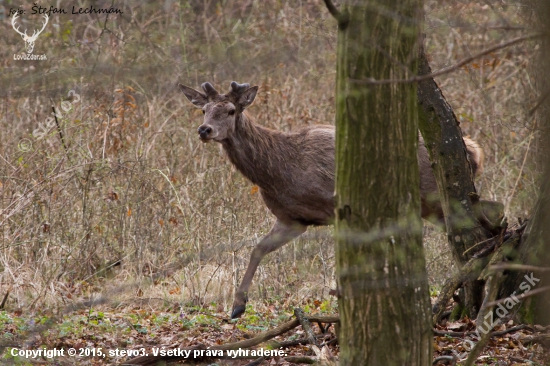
[382, 283]
[457, 193]
[535, 246]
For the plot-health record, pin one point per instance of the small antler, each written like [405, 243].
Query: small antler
[209, 89]
[36, 33]
[17, 29]
[237, 88]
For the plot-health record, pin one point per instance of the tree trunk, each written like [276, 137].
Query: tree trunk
[383, 289]
[535, 246]
[443, 138]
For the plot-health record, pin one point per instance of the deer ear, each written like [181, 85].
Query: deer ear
[247, 97]
[195, 97]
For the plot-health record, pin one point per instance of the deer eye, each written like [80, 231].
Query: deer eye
[231, 112]
[203, 111]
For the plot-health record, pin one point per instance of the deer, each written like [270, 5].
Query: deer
[29, 40]
[293, 170]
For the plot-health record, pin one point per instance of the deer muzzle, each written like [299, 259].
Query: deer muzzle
[204, 132]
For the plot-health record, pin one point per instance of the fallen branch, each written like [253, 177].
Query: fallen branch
[539, 338]
[306, 325]
[493, 284]
[474, 268]
[469, 271]
[478, 348]
[247, 343]
[443, 333]
[449, 359]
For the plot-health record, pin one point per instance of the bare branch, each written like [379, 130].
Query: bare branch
[332, 9]
[446, 70]
[539, 103]
[341, 18]
[520, 297]
[450, 359]
[247, 343]
[518, 267]
[443, 333]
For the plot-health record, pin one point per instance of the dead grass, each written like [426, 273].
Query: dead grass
[134, 207]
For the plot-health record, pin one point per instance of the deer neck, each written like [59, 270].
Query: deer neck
[255, 151]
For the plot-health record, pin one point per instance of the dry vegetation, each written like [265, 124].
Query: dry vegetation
[130, 206]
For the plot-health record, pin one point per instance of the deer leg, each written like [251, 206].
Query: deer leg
[279, 235]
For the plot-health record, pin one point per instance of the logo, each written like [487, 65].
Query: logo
[29, 40]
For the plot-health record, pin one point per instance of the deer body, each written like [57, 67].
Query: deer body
[293, 170]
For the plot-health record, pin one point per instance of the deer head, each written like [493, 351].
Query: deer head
[29, 40]
[221, 111]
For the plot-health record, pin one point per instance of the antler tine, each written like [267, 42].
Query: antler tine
[237, 88]
[35, 33]
[15, 16]
[209, 89]
[46, 18]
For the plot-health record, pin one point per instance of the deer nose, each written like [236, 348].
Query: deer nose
[204, 131]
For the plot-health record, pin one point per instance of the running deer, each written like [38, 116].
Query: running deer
[293, 170]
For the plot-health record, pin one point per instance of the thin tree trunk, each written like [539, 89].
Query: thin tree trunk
[535, 245]
[383, 290]
[443, 138]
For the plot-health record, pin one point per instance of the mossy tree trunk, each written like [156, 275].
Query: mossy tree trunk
[383, 289]
[535, 244]
[443, 139]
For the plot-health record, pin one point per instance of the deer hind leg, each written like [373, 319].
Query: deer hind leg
[279, 235]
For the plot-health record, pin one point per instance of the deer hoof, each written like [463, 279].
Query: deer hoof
[237, 311]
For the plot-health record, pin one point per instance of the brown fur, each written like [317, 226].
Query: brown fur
[429, 196]
[294, 170]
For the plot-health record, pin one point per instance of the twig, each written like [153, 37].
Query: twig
[539, 103]
[511, 330]
[521, 169]
[446, 70]
[518, 267]
[286, 344]
[332, 9]
[299, 313]
[478, 244]
[478, 348]
[247, 343]
[341, 18]
[493, 284]
[522, 296]
[3, 304]
[60, 132]
[465, 334]
[470, 270]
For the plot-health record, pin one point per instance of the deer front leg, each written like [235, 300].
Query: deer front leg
[279, 235]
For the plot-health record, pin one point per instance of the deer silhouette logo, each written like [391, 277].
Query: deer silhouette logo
[29, 40]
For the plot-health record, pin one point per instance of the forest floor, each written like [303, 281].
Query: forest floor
[106, 336]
